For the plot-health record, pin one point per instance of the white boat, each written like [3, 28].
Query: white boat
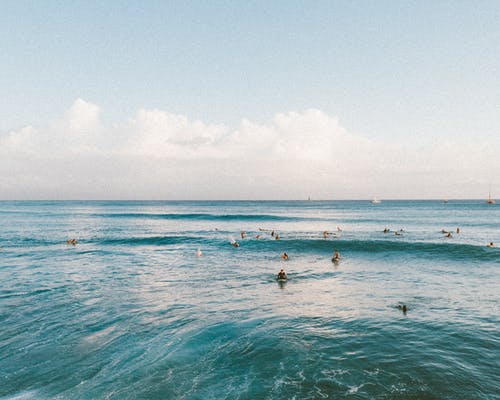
[376, 201]
[490, 200]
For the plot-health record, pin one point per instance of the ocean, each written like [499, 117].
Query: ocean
[133, 311]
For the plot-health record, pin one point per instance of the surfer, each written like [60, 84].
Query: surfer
[339, 229]
[490, 244]
[277, 237]
[325, 234]
[403, 308]
[282, 275]
[72, 241]
[235, 243]
[458, 230]
[336, 256]
[386, 230]
[449, 235]
[284, 256]
[243, 234]
[257, 237]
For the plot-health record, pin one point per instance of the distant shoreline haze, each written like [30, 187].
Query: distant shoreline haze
[157, 154]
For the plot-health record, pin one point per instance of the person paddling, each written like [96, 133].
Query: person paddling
[282, 274]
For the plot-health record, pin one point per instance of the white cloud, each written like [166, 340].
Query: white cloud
[76, 133]
[157, 154]
[82, 118]
[161, 134]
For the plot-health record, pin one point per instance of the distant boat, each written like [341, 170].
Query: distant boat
[376, 201]
[490, 200]
[445, 201]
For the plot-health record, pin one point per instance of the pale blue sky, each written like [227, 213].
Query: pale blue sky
[385, 68]
[415, 87]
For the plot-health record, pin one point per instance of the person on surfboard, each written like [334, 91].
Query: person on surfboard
[282, 274]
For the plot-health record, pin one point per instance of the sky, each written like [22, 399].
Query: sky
[249, 100]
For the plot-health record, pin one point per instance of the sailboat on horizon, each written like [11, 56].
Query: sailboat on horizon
[490, 200]
[376, 201]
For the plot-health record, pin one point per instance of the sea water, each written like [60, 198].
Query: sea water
[132, 311]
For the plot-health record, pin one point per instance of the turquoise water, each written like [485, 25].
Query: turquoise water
[131, 311]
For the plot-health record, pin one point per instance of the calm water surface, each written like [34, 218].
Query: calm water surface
[131, 311]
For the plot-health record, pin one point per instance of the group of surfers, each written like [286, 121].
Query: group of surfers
[284, 256]
[282, 274]
[336, 255]
[447, 234]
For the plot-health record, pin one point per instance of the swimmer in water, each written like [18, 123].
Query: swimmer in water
[257, 237]
[336, 256]
[386, 230]
[449, 235]
[490, 244]
[403, 308]
[72, 241]
[277, 237]
[282, 274]
[325, 234]
[243, 234]
[458, 230]
[272, 233]
[199, 253]
[284, 256]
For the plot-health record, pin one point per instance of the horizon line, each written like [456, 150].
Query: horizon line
[256, 200]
